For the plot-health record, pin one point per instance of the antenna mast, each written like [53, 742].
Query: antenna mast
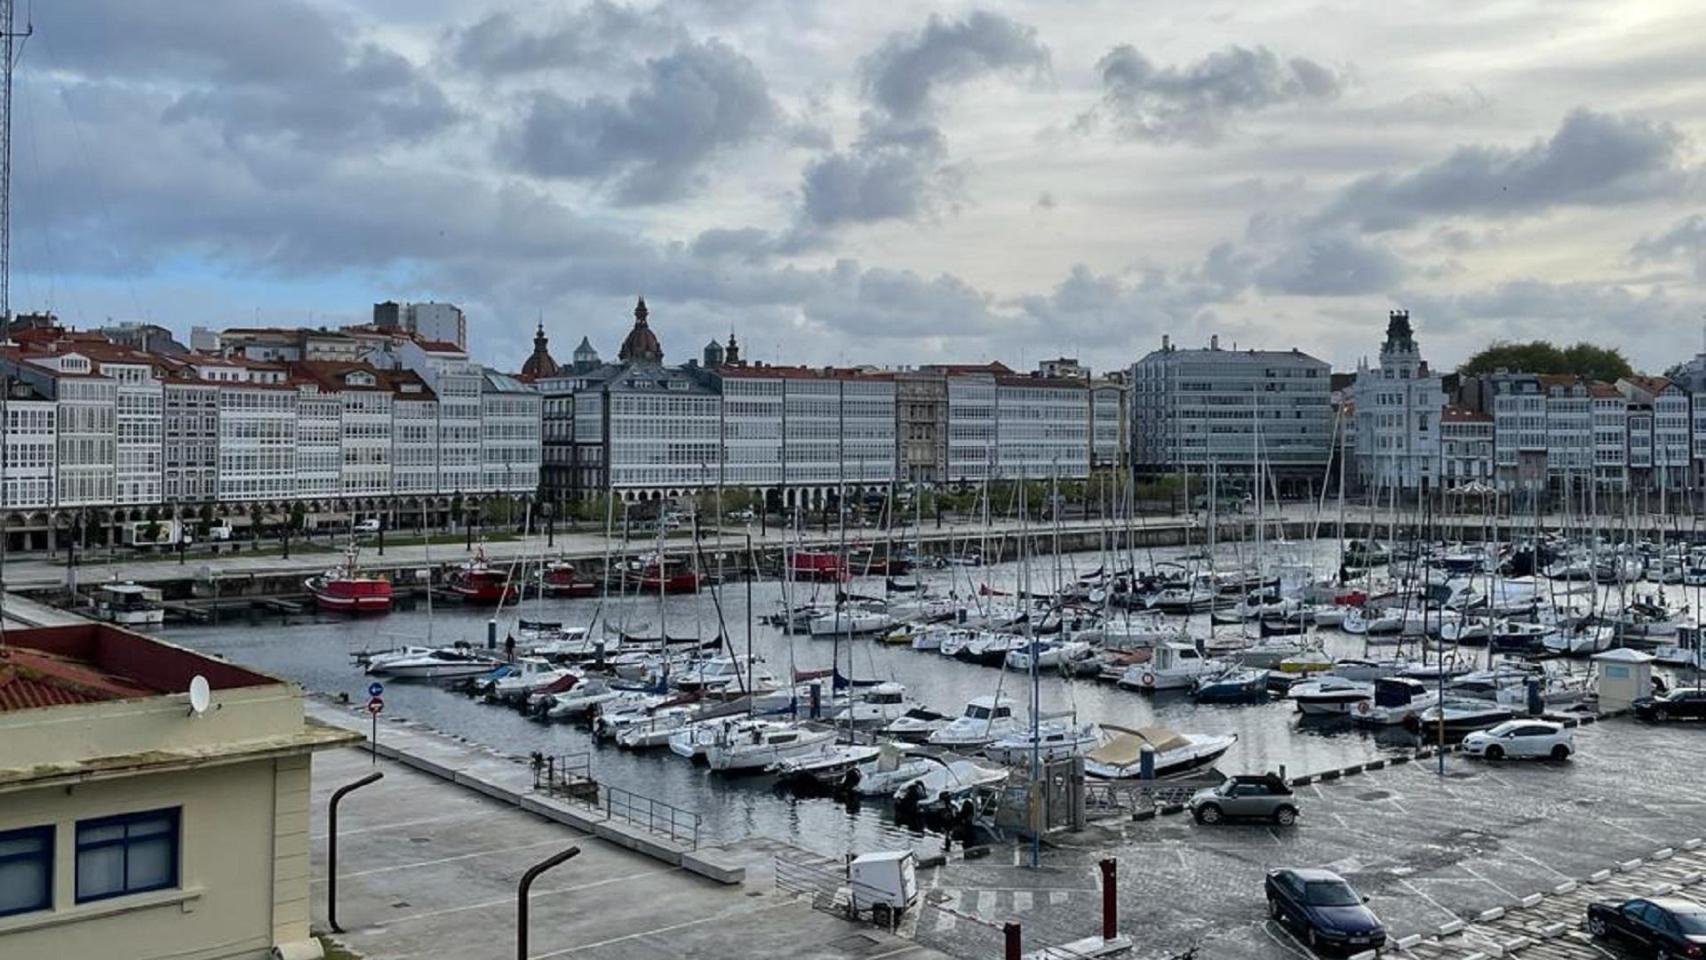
[7, 36]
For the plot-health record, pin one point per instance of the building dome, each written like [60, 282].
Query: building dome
[539, 365]
[641, 344]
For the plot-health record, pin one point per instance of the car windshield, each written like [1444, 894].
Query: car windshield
[1330, 893]
[1693, 923]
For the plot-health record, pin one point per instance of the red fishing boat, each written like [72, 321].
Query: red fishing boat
[672, 575]
[560, 579]
[814, 567]
[343, 589]
[476, 582]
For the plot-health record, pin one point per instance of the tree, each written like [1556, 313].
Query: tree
[1542, 356]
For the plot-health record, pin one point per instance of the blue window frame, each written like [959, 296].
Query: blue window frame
[129, 853]
[26, 870]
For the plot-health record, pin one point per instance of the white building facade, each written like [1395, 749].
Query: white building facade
[1398, 406]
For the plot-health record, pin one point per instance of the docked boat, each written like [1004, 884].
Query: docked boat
[1231, 686]
[915, 725]
[1396, 700]
[850, 621]
[560, 579]
[531, 675]
[1057, 738]
[878, 705]
[1324, 696]
[478, 582]
[1050, 654]
[985, 720]
[1270, 651]
[669, 575]
[432, 663]
[343, 589]
[828, 765]
[579, 701]
[130, 604]
[1461, 715]
[892, 768]
[1121, 756]
[950, 782]
[756, 744]
[1173, 666]
[817, 566]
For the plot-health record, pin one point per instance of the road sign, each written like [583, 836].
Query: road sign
[375, 705]
[375, 688]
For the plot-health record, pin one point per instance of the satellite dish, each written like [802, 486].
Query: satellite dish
[200, 694]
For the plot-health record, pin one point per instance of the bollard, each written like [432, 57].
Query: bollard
[1536, 705]
[1146, 763]
[492, 634]
[1011, 931]
[1110, 899]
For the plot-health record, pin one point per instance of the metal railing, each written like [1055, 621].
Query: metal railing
[664, 819]
[553, 773]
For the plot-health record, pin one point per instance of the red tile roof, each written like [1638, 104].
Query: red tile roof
[33, 678]
[96, 662]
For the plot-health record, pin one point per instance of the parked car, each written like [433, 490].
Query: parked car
[1324, 909]
[1522, 738]
[1677, 704]
[1663, 927]
[1259, 797]
[742, 516]
[370, 525]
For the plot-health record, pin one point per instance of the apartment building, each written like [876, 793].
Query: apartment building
[456, 381]
[1193, 409]
[414, 434]
[1672, 430]
[31, 437]
[1108, 426]
[921, 424]
[1466, 447]
[806, 433]
[509, 434]
[1398, 406]
[257, 441]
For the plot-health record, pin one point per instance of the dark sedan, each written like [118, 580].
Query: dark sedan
[1665, 928]
[1676, 705]
[1324, 910]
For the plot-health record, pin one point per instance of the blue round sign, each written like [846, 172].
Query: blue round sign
[375, 688]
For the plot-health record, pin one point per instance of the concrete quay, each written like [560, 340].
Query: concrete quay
[428, 868]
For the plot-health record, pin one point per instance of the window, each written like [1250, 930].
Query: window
[26, 870]
[131, 853]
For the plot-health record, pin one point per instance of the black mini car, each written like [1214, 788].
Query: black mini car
[1665, 928]
[1676, 705]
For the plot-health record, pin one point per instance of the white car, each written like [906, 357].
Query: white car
[370, 525]
[1522, 738]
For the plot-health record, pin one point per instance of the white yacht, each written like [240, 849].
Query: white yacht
[1173, 666]
[858, 621]
[986, 719]
[1121, 756]
[1396, 700]
[581, 699]
[756, 744]
[432, 663]
[1328, 695]
[877, 705]
[1057, 738]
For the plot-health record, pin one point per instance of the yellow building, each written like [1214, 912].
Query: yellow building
[134, 826]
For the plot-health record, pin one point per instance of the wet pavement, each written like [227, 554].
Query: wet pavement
[1427, 849]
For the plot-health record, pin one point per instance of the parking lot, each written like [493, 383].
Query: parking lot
[1429, 850]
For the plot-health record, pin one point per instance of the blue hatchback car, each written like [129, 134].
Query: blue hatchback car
[1324, 910]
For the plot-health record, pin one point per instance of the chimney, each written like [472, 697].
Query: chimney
[1214, 341]
[1166, 342]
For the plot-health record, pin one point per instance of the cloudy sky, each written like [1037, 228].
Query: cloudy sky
[876, 182]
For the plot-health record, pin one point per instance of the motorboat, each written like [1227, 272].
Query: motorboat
[344, 589]
[1580, 640]
[531, 675]
[1512, 636]
[892, 768]
[1231, 686]
[478, 582]
[949, 782]
[1173, 666]
[828, 765]
[669, 575]
[130, 604]
[1395, 701]
[990, 649]
[756, 744]
[559, 578]
[1461, 715]
[915, 725]
[811, 566]
[877, 705]
[1057, 738]
[432, 663]
[654, 728]
[1269, 652]
[720, 673]
[1330, 695]
[580, 700]
[1309, 661]
[985, 720]
[534, 632]
[1120, 757]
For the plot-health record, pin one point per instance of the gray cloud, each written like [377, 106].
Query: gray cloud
[701, 99]
[899, 168]
[1195, 103]
[1594, 159]
[1685, 240]
[594, 36]
[903, 73]
[282, 74]
[1331, 264]
[1520, 309]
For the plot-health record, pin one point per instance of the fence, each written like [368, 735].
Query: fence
[570, 775]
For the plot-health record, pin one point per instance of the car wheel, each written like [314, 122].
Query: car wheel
[1209, 814]
[1285, 816]
[1560, 753]
[1596, 927]
[1495, 752]
[1661, 714]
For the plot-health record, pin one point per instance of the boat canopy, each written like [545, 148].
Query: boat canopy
[1125, 747]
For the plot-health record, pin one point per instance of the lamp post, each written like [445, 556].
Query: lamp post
[527, 879]
[332, 846]
[548, 510]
